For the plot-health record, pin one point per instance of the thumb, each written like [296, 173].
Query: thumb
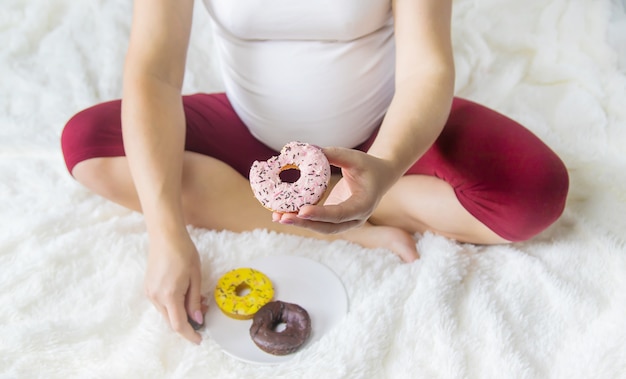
[193, 302]
[340, 156]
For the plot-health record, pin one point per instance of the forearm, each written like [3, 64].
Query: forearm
[153, 122]
[415, 118]
[424, 83]
[153, 132]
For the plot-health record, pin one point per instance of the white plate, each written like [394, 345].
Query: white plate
[296, 280]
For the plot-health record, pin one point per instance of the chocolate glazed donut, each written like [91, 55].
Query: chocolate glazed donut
[267, 338]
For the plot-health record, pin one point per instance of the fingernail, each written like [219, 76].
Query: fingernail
[197, 316]
[196, 321]
[286, 222]
[304, 216]
[193, 323]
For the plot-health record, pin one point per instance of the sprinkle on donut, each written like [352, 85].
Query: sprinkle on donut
[281, 196]
[241, 292]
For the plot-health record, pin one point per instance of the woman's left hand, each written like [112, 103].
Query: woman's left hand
[353, 199]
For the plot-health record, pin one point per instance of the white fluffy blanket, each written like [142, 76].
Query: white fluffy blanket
[72, 264]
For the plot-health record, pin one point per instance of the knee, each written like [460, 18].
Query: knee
[71, 142]
[553, 193]
[539, 205]
[97, 175]
[75, 138]
[91, 133]
[519, 210]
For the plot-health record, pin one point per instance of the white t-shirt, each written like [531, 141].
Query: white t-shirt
[317, 71]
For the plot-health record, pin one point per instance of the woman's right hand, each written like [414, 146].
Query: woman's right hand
[173, 282]
[153, 128]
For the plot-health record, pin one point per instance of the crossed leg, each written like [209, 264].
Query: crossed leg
[486, 180]
[217, 197]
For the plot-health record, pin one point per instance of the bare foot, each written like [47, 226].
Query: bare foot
[397, 240]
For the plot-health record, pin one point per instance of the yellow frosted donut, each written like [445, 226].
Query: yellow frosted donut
[240, 293]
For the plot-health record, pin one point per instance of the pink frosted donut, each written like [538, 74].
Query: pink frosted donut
[279, 196]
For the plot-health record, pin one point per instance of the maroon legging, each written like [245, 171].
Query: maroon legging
[501, 173]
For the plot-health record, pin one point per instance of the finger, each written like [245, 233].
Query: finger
[276, 216]
[340, 156]
[335, 213]
[194, 324]
[320, 227]
[193, 302]
[178, 321]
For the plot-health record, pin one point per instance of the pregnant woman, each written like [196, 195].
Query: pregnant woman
[369, 81]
